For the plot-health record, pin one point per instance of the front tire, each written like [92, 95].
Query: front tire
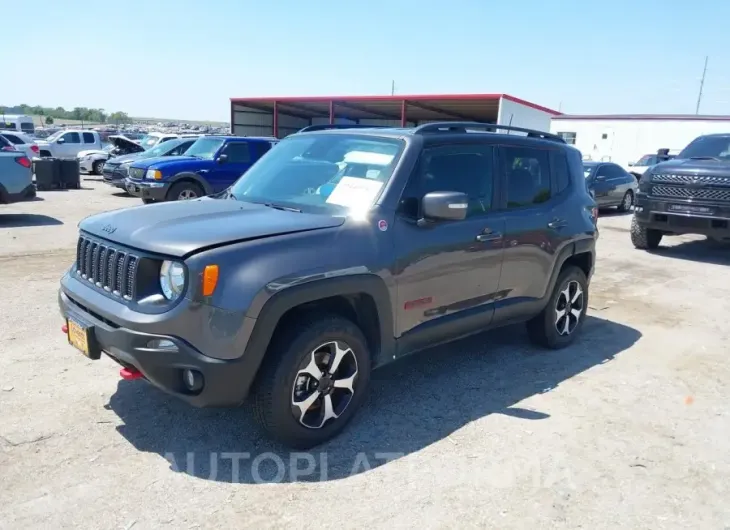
[314, 378]
[184, 191]
[97, 167]
[557, 325]
[627, 202]
[644, 238]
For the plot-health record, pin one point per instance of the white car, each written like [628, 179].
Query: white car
[93, 160]
[22, 142]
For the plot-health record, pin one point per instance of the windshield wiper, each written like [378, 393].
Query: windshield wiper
[705, 158]
[280, 207]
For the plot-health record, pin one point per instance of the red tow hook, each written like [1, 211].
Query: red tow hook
[129, 374]
[64, 329]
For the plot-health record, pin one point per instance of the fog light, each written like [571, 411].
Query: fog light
[162, 344]
[193, 380]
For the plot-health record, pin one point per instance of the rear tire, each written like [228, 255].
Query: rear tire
[184, 191]
[557, 325]
[644, 238]
[284, 379]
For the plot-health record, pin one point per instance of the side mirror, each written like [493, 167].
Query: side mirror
[222, 159]
[61, 141]
[631, 164]
[445, 205]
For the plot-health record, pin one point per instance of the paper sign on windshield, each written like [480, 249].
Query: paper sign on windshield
[353, 192]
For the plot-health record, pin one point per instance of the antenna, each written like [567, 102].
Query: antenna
[702, 84]
[392, 88]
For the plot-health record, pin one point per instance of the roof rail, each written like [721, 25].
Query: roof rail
[328, 126]
[462, 126]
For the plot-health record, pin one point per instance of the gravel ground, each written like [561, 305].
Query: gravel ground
[627, 428]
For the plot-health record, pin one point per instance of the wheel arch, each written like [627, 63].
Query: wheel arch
[363, 298]
[191, 177]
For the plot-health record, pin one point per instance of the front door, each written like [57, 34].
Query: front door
[237, 161]
[604, 186]
[447, 272]
[70, 146]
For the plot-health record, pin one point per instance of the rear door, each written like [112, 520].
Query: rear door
[534, 224]
[89, 141]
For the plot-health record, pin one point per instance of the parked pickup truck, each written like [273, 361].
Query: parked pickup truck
[210, 165]
[68, 144]
[16, 177]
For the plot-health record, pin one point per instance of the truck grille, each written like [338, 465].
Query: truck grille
[676, 192]
[107, 267]
[691, 179]
[136, 173]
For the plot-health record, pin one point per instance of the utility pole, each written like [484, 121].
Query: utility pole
[392, 88]
[702, 85]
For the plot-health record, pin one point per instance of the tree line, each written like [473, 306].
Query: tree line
[78, 113]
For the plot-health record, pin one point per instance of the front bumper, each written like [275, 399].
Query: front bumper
[86, 165]
[115, 178]
[156, 191]
[25, 194]
[683, 217]
[125, 336]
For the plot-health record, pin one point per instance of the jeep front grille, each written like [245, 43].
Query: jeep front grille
[107, 267]
[710, 194]
[136, 173]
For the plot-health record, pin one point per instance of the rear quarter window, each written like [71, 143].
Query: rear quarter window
[560, 171]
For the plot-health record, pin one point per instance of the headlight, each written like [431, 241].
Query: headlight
[172, 279]
[154, 174]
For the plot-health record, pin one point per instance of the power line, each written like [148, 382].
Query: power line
[702, 85]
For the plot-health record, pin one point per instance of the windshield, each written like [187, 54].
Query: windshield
[708, 147]
[161, 149]
[54, 136]
[149, 141]
[204, 148]
[647, 160]
[328, 173]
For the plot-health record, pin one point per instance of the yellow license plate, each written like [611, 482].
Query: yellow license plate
[78, 337]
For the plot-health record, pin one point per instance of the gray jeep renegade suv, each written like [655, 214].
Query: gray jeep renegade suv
[336, 253]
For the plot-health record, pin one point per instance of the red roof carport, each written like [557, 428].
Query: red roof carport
[281, 116]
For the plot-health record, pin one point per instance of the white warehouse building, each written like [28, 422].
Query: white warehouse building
[625, 138]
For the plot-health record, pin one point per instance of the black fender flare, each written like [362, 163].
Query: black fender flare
[189, 175]
[571, 249]
[281, 302]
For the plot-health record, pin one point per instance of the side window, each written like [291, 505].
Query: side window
[466, 168]
[262, 148]
[88, 138]
[180, 149]
[527, 173]
[13, 139]
[237, 152]
[613, 171]
[72, 138]
[166, 138]
[560, 171]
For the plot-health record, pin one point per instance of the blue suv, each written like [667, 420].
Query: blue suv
[210, 165]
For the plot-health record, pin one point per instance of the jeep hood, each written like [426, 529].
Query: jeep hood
[700, 166]
[180, 228]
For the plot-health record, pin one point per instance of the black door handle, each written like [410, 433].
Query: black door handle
[557, 223]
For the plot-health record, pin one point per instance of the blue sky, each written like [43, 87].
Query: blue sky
[185, 58]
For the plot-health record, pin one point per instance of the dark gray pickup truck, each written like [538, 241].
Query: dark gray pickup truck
[336, 253]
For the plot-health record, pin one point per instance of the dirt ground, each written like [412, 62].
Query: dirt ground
[628, 428]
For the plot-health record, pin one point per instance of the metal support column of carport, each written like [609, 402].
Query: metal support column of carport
[403, 115]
